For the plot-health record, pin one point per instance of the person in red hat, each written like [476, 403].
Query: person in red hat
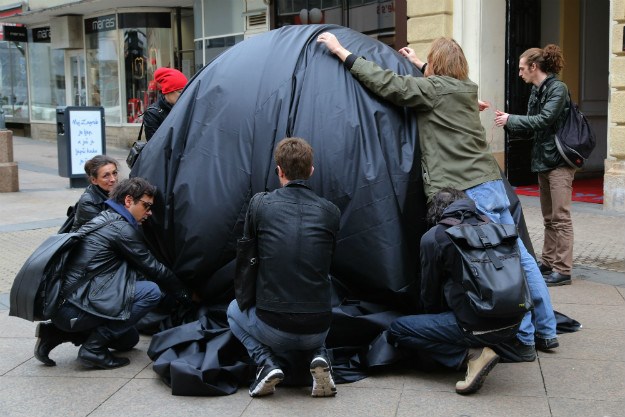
[171, 83]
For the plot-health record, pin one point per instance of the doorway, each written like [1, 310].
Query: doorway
[581, 29]
[76, 82]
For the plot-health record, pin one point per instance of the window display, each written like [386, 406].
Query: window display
[47, 76]
[13, 82]
[102, 66]
[147, 46]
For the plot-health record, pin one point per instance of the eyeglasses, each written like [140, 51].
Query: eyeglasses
[147, 205]
[276, 170]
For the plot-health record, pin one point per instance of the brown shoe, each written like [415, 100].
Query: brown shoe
[481, 361]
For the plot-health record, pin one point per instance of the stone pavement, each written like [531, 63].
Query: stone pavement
[584, 377]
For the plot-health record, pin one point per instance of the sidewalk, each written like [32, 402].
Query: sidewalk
[584, 377]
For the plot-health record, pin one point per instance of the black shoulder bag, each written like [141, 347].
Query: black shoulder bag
[36, 293]
[247, 261]
[136, 149]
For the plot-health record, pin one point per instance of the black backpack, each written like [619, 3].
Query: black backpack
[493, 278]
[575, 139]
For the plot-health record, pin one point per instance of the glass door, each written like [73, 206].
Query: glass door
[76, 82]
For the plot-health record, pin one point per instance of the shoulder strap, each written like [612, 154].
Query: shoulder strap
[453, 221]
[488, 247]
[450, 221]
[94, 228]
[140, 131]
[85, 278]
[251, 220]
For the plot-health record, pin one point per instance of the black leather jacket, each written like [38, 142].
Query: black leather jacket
[113, 258]
[90, 204]
[296, 233]
[547, 110]
[441, 273]
[155, 115]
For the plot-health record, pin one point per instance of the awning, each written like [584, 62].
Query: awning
[82, 7]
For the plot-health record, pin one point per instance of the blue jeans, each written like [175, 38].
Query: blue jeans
[491, 199]
[262, 340]
[70, 318]
[440, 336]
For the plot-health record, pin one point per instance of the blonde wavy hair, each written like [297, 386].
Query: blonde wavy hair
[447, 58]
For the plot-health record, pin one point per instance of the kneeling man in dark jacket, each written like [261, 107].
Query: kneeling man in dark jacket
[296, 233]
[111, 281]
[451, 333]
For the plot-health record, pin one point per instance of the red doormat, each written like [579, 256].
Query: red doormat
[588, 190]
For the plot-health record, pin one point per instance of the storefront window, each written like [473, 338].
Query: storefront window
[219, 25]
[102, 66]
[372, 17]
[216, 46]
[146, 38]
[13, 81]
[47, 76]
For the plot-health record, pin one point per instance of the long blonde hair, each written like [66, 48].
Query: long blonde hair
[447, 58]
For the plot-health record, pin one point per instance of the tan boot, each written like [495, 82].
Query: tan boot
[480, 362]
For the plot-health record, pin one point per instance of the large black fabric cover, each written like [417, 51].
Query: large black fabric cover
[215, 150]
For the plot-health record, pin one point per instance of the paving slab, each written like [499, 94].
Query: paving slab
[55, 396]
[592, 344]
[584, 379]
[14, 353]
[148, 397]
[446, 404]
[566, 407]
[593, 316]
[67, 366]
[586, 292]
[350, 401]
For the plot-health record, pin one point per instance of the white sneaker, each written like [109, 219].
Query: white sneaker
[323, 383]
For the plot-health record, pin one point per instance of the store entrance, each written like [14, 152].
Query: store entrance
[76, 82]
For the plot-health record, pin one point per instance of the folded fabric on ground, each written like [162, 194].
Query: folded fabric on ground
[215, 150]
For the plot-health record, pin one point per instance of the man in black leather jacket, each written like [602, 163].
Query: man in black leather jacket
[296, 233]
[450, 332]
[111, 281]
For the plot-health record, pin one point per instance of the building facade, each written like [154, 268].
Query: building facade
[104, 53]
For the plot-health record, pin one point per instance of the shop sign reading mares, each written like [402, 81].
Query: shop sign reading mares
[101, 24]
[41, 35]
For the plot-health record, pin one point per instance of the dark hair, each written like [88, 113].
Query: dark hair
[549, 59]
[93, 165]
[440, 202]
[135, 187]
[295, 158]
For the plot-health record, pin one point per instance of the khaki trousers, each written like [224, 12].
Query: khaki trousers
[556, 187]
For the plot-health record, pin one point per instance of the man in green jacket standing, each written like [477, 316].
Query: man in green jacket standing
[454, 153]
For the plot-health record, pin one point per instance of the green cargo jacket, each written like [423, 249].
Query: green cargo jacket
[546, 112]
[454, 151]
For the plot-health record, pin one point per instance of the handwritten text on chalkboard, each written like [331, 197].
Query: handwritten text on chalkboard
[86, 137]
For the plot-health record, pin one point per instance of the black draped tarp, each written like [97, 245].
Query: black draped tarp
[215, 150]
